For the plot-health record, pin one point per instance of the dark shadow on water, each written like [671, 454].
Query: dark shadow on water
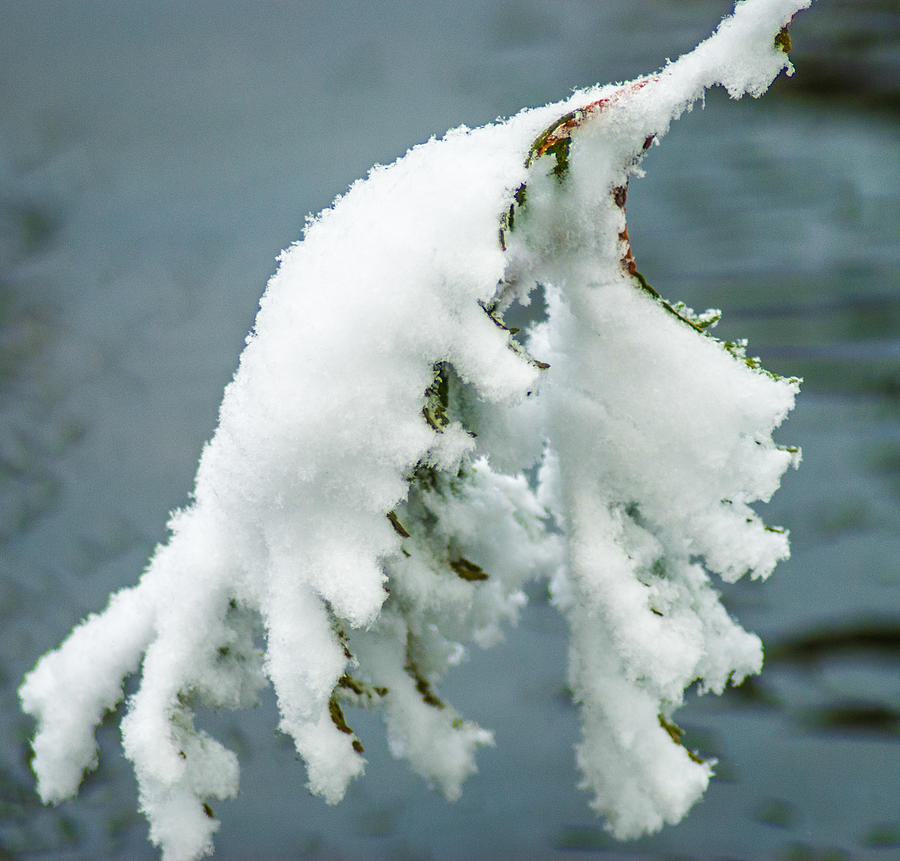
[870, 637]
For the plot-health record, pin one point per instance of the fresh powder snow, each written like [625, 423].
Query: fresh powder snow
[361, 514]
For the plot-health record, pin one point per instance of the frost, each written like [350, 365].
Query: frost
[361, 513]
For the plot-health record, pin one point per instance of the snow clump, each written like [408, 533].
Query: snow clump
[361, 514]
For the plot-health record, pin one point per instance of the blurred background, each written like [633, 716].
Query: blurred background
[154, 159]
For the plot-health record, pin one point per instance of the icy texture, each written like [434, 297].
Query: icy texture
[360, 514]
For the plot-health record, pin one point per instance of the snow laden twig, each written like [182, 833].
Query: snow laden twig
[360, 514]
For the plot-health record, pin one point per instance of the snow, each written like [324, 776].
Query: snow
[361, 515]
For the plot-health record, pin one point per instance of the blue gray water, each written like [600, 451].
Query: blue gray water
[155, 157]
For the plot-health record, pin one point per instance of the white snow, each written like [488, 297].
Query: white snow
[361, 505]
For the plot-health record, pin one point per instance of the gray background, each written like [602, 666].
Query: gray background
[155, 157]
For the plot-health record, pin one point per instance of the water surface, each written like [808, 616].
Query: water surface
[154, 158]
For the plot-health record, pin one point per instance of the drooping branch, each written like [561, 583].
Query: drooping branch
[361, 514]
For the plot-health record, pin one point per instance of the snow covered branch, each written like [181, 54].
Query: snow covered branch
[361, 513]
